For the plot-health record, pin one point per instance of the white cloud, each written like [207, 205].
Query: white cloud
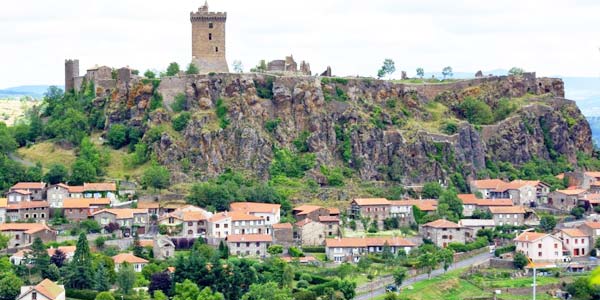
[550, 37]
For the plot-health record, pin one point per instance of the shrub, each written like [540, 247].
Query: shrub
[334, 176]
[149, 74]
[313, 249]
[264, 89]
[179, 103]
[221, 110]
[449, 127]
[172, 69]
[192, 69]
[81, 294]
[476, 111]
[504, 109]
[117, 136]
[505, 249]
[295, 252]
[271, 125]
[181, 121]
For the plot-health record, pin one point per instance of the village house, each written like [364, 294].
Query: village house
[309, 232]
[76, 191]
[56, 194]
[249, 244]
[190, 220]
[403, 209]
[100, 190]
[471, 204]
[565, 199]
[127, 218]
[138, 263]
[591, 229]
[283, 234]
[79, 209]
[485, 186]
[162, 247]
[269, 212]
[575, 241]
[377, 209]
[3, 205]
[37, 211]
[18, 196]
[21, 256]
[36, 190]
[508, 215]
[521, 192]
[442, 232]
[22, 234]
[352, 249]
[219, 227]
[312, 212]
[472, 226]
[589, 201]
[539, 246]
[45, 290]
[152, 207]
[332, 225]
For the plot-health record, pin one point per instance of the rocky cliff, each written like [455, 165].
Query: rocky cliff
[409, 133]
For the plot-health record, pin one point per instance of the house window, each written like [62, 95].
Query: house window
[257, 244]
[576, 241]
[555, 246]
[247, 244]
[217, 225]
[216, 49]
[210, 25]
[238, 245]
[540, 246]
[268, 218]
[210, 36]
[540, 254]
[582, 241]
[225, 225]
[34, 296]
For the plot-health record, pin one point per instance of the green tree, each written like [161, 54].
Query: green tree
[577, 212]
[138, 250]
[159, 295]
[267, 291]
[149, 74]
[432, 190]
[126, 278]
[101, 280]
[420, 72]
[446, 257]
[427, 261]
[504, 109]
[515, 71]
[181, 121]
[399, 275]
[450, 206]
[52, 272]
[10, 286]
[447, 72]
[388, 68]
[192, 69]
[179, 103]
[104, 296]
[520, 260]
[4, 239]
[172, 69]
[547, 223]
[275, 249]
[41, 259]
[476, 111]
[8, 141]
[56, 174]
[79, 273]
[261, 67]
[117, 136]
[157, 177]
[82, 171]
[386, 253]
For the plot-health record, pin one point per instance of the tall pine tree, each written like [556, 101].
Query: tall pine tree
[41, 259]
[79, 273]
[101, 282]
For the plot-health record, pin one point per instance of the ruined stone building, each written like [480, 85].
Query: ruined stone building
[288, 65]
[103, 77]
[208, 40]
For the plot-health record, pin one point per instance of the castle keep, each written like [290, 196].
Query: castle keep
[208, 40]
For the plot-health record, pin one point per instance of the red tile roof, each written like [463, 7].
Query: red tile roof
[571, 192]
[29, 186]
[123, 213]
[507, 210]
[76, 189]
[28, 228]
[424, 205]
[487, 184]
[371, 201]
[592, 224]
[100, 187]
[84, 202]
[28, 204]
[128, 257]
[330, 219]
[441, 223]
[147, 204]
[254, 207]
[234, 238]
[22, 192]
[48, 288]
[530, 236]
[574, 232]
[306, 209]
[282, 226]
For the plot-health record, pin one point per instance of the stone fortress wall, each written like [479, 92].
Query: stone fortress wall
[208, 40]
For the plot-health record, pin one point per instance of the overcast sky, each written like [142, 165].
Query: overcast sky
[551, 37]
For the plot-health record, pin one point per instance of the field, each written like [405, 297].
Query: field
[13, 110]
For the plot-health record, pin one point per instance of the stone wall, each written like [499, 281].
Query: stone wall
[208, 40]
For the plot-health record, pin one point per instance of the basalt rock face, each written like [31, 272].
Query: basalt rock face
[383, 130]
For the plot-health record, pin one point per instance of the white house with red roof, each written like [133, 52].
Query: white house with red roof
[35, 191]
[45, 290]
[352, 249]
[249, 244]
[576, 241]
[138, 263]
[540, 246]
[443, 232]
[269, 212]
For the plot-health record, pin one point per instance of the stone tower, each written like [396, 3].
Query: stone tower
[71, 71]
[208, 40]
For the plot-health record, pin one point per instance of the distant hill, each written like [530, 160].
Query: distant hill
[34, 91]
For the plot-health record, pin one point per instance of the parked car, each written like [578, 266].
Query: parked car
[391, 288]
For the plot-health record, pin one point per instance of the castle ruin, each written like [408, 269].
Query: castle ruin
[208, 40]
[288, 65]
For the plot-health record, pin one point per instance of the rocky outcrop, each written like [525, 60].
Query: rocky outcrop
[383, 130]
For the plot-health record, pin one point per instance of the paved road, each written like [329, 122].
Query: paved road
[461, 264]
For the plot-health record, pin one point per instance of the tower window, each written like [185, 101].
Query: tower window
[216, 49]
[210, 36]
[210, 25]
